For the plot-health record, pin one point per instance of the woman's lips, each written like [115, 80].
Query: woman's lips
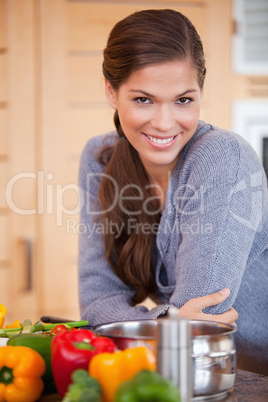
[160, 143]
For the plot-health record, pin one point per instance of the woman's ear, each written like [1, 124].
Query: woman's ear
[111, 94]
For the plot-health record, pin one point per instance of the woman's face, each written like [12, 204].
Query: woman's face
[158, 108]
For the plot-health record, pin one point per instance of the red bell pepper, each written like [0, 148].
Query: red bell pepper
[72, 350]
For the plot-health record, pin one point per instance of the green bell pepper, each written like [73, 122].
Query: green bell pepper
[147, 386]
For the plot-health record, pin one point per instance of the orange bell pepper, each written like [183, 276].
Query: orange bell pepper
[21, 369]
[16, 324]
[111, 369]
[3, 311]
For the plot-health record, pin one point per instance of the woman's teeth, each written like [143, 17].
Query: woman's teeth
[159, 141]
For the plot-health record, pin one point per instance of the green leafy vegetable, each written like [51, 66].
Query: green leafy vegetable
[147, 386]
[83, 389]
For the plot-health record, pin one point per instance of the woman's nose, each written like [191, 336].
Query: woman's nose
[163, 119]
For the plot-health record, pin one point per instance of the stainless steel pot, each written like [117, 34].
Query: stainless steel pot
[213, 352]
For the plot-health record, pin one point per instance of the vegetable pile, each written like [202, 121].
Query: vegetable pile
[77, 364]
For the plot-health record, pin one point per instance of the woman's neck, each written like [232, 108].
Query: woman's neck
[160, 177]
[160, 184]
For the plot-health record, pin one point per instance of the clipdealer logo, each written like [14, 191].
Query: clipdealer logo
[245, 200]
[50, 196]
[254, 190]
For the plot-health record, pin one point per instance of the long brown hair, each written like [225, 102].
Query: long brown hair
[143, 38]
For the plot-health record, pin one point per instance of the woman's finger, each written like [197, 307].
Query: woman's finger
[229, 316]
[210, 300]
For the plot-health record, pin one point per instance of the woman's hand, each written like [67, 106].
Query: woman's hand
[193, 308]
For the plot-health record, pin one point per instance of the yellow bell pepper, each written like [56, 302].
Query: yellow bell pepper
[3, 311]
[16, 324]
[111, 369]
[21, 369]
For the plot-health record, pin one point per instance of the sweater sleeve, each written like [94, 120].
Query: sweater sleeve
[103, 296]
[219, 211]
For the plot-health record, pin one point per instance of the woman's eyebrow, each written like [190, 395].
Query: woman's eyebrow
[152, 96]
[141, 92]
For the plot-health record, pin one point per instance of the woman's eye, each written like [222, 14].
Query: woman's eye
[183, 101]
[142, 99]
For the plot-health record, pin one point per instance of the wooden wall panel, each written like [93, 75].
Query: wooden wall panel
[3, 237]
[3, 132]
[89, 23]
[85, 81]
[3, 20]
[3, 180]
[5, 272]
[21, 150]
[3, 79]
[218, 84]
[3, 76]
[83, 125]
[59, 286]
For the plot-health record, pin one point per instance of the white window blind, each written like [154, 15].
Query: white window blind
[250, 39]
[250, 120]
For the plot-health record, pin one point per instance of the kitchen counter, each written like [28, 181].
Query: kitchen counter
[249, 387]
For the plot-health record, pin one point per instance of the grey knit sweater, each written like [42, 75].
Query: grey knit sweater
[213, 234]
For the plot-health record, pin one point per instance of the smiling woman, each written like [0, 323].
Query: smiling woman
[188, 200]
[158, 108]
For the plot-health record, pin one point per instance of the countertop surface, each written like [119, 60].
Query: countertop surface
[249, 387]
